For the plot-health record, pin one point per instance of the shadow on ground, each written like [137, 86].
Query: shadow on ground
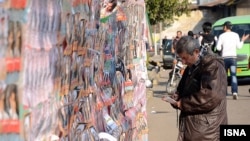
[162, 83]
[244, 81]
[159, 112]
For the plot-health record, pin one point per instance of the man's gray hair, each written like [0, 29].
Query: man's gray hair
[187, 44]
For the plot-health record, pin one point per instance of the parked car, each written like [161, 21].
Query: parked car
[167, 56]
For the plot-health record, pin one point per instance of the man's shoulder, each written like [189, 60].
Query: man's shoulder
[223, 35]
[175, 40]
[211, 58]
[235, 33]
[226, 35]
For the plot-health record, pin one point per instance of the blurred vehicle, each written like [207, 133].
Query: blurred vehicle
[175, 76]
[241, 25]
[167, 56]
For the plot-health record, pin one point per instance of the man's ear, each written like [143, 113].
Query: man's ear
[196, 51]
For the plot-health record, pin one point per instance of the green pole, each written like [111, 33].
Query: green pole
[150, 30]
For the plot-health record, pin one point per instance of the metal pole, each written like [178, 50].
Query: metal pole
[160, 38]
[155, 48]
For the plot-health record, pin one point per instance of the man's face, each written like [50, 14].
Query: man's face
[179, 35]
[188, 59]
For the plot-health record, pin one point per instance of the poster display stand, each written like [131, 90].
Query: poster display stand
[73, 70]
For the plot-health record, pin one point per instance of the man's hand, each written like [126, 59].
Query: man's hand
[178, 101]
[175, 96]
[176, 104]
[169, 99]
[244, 37]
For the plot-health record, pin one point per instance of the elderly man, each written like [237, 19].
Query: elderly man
[201, 93]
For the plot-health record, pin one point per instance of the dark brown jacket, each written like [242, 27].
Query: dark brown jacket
[202, 91]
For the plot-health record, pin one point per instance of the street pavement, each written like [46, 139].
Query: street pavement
[162, 118]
